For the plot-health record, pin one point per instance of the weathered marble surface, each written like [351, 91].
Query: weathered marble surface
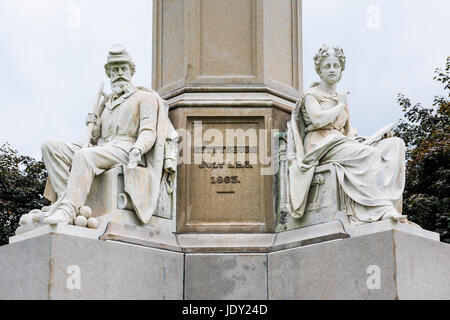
[411, 267]
[37, 269]
[333, 270]
[226, 276]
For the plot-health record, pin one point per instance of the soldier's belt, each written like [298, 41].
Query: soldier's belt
[118, 138]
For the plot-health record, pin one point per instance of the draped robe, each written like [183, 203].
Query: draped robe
[370, 178]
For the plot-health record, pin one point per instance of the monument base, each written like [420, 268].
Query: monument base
[60, 266]
[389, 264]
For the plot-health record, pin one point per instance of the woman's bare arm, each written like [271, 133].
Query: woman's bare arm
[320, 117]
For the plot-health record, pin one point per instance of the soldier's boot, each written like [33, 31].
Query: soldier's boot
[65, 214]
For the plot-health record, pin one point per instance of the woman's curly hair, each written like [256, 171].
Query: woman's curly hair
[324, 52]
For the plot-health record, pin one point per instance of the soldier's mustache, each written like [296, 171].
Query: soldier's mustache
[120, 79]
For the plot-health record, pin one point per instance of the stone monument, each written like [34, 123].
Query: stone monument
[234, 67]
[368, 174]
[274, 195]
[124, 171]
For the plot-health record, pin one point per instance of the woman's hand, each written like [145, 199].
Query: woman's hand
[342, 99]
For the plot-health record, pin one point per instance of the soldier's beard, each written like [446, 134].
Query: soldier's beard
[120, 86]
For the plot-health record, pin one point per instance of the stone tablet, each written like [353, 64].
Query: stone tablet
[226, 177]
[226, 169]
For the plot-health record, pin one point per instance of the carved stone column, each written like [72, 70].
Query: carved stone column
[234, 64]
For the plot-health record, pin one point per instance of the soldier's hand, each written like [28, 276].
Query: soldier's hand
[91, 118]
[134, 158]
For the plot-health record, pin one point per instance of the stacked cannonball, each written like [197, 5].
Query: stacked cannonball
[85, 219]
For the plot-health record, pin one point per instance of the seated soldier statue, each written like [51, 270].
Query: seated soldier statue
[131, 126]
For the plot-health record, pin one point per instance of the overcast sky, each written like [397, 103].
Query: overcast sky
[52, 54]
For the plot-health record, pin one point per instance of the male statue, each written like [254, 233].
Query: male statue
[130, 128]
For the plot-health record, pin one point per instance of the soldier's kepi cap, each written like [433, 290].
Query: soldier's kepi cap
[117, 53]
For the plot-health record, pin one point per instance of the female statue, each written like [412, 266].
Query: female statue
[370, 177]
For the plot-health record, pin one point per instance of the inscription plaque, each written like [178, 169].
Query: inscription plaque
[226, 186]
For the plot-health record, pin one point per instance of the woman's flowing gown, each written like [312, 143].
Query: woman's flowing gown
[370, 178]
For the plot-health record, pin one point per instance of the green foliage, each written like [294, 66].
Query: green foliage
[22, 183]
[426, 132]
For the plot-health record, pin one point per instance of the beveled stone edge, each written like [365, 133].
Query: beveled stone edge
[64, 229]
[255, 242]
[313, 234]
[234, 99]
[232, 242]
[144, 236]
[390, 225]
[231, 89]
[227, 243]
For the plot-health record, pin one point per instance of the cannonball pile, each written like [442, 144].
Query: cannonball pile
[85, 219]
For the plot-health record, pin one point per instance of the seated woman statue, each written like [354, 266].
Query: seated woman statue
[370, 177]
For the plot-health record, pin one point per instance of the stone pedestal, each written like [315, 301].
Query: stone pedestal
[229, 65]
[56, 266]
[409, 267]
[303, 263]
